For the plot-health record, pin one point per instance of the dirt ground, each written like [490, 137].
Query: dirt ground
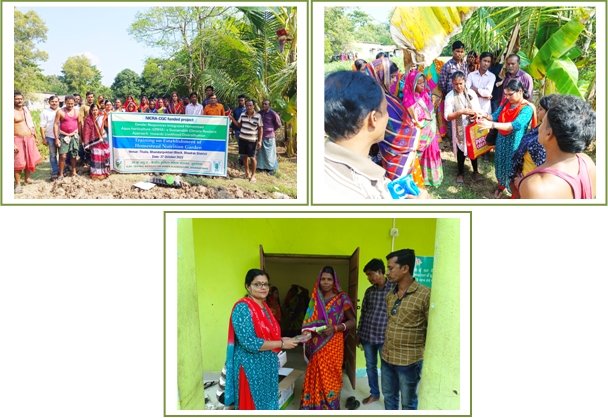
[120, 186]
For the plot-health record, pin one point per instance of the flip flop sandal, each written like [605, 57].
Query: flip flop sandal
[460, 180]
[354, 405]
[253, 180]
[207, 385]
[350, 401]
[478, 177]
[33, 182]
[18, 190]
[54, 177]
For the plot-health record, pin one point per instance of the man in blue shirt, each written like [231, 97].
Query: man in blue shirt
[372, 323]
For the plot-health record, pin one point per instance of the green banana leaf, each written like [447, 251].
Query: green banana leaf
[564, 73]
[573, 53]
[544, 33]
[583, 86]
[559, 43]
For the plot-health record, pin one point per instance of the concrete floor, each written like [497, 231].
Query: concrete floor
[295, 360]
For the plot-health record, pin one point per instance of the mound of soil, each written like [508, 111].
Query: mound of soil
[121, 187]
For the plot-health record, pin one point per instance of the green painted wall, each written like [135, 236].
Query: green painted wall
[226, 248]
[440, 383]
[189, 353]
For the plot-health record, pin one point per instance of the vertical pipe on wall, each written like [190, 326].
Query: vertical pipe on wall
[189, 352]
[440, 383]
[393, 238]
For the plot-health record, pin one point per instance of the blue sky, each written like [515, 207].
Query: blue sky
[98, 32]
[379, 13]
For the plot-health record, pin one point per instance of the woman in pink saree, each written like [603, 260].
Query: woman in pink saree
[417, 101]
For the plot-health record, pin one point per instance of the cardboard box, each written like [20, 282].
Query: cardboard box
[282, 358]
[287, 378]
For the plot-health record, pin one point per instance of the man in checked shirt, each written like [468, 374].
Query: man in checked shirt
[372, 323]
[408, 313]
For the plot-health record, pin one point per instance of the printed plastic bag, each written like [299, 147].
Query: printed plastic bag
[476, 141]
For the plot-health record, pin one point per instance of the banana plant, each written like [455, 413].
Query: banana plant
[554, 60]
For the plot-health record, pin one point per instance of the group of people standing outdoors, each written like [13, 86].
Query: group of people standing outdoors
[393, 322]
[544, 144]
[78, 131]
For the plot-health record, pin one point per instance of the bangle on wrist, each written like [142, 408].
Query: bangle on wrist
[344, 327]
[335, 329]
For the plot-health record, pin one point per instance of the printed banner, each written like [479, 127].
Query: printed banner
[423, 272]
[144, 142]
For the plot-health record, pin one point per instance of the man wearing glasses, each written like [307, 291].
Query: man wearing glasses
[408, 313]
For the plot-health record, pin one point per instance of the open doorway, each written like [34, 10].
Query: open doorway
[303, 270]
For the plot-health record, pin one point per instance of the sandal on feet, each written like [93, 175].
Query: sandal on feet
[54, 177]
[460, 179]
[19, 190]
[32, 181]
[478, 177]
[253, 180]
[498, 194]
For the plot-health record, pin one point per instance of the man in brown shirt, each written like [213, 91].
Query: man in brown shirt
[408, 312]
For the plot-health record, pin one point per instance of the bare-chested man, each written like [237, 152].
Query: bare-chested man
[66, 134]
[26, 151]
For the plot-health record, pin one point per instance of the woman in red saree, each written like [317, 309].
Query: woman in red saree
[94, 141]
[128, 100]
[175, 105]
[324, 352]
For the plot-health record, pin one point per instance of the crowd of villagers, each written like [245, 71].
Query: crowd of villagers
[438, 103]
[78, 131]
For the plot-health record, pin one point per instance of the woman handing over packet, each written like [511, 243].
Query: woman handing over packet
[254, 341]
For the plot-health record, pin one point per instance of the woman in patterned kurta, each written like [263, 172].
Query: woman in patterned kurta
[511, 119]
[324, 352]
[254, 340]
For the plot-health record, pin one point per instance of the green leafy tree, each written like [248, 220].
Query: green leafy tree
[30, 29]
[338, 29]
[177, 31]
[54, 83]
[161, 77]
[359, 18]
[126, 82]
[80, 75]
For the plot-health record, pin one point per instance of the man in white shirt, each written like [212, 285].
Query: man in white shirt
[194, 108]
[482, 82]
[356, 115]
[47, 121]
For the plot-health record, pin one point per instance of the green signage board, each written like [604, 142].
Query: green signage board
[144, 142]
[423, 272]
